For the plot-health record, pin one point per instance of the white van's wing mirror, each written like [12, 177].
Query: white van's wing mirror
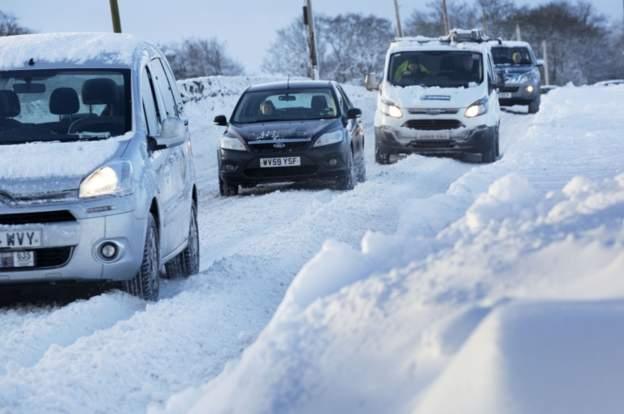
[172, 133]
[371, 82]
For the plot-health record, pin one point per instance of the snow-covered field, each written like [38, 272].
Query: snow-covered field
[434, 287]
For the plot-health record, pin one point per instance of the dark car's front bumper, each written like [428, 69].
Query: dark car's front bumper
[327, 163]
[462, 144]
[518, 94]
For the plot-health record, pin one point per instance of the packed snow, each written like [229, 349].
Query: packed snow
[433, 278]
[57, 159]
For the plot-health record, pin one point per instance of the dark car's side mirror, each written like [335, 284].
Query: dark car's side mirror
[220, 120]
[354, 113]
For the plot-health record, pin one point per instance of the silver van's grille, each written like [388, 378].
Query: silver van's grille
[43, 217]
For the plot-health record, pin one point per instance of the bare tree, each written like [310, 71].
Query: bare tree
[349, 46]
[431, 20]
[201, 57]
[9, 25]
[288, 55]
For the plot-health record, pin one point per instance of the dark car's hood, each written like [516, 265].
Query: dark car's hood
[271, 131]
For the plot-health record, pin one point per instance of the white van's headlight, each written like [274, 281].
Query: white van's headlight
[230, 143]
[390, 109]
[329, 138]
[477, 109]
[112, 179]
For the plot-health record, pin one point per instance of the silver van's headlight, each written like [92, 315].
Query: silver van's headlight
[390, 109]
[477, 108]
[329, 138]
[111, 179]
[230, 143]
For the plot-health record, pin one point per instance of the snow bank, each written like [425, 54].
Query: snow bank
[537, 357]
[73, 48]
[475, 294]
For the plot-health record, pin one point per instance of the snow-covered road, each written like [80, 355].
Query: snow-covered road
[113, 353]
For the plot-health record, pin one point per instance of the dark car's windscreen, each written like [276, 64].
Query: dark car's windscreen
[286, 105]
[435, 68]
[511, 56]
[63, 105]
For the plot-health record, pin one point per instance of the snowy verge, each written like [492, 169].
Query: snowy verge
[367, 329]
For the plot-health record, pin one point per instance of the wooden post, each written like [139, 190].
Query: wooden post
[308, 21]
[398, 18]
[445, 18]
[114, 6]
[545, 58]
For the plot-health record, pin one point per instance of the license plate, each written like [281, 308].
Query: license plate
[280, 162]
[504, 95]
[17, 259]
[21, 238]
[443, 135]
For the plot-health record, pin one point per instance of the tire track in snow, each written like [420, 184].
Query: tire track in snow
[25, 343]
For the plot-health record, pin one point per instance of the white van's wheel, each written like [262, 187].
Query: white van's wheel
[146, 283]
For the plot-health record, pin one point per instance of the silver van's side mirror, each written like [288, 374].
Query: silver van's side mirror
[371, 82]
[172, 133]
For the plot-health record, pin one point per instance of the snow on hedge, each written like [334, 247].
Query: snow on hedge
[502, 295]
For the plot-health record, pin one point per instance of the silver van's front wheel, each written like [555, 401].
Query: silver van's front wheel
[146, 283]
[187, 262]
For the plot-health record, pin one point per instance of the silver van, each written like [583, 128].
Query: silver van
[96, 172]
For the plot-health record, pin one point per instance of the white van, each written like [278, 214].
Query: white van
[438, 96]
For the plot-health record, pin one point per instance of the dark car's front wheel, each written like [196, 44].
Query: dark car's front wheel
[534, 106]
[347, 182]
[146, 283]
[226, 189]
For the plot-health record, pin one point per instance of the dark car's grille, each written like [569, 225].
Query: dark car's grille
[512, 89]
[48, 258]
[43, 217]
[283, 146]
[433, 124]
[280, 172]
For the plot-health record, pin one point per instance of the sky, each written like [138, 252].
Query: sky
[247, 26]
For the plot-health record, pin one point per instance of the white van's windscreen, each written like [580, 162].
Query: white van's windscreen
[64, 105]
[446, 69]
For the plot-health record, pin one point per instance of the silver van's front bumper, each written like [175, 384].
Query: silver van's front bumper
[93, 223]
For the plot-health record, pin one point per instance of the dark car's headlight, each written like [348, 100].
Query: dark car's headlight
[233, 144]
[329, 138]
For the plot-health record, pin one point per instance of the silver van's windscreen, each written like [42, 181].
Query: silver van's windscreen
[63, 105]
[511, 56]
[286, 105]
[446, 69]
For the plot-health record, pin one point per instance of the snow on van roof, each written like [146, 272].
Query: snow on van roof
[71, 48]
[407, 44]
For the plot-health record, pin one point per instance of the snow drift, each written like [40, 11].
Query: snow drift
[503, 292]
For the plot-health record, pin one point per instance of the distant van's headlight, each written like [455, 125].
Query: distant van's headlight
[390, 109]
[329, 138]
[230, 143]
[477, 109]
[112, 179]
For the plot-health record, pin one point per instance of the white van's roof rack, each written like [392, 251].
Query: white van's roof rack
[455, 36]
